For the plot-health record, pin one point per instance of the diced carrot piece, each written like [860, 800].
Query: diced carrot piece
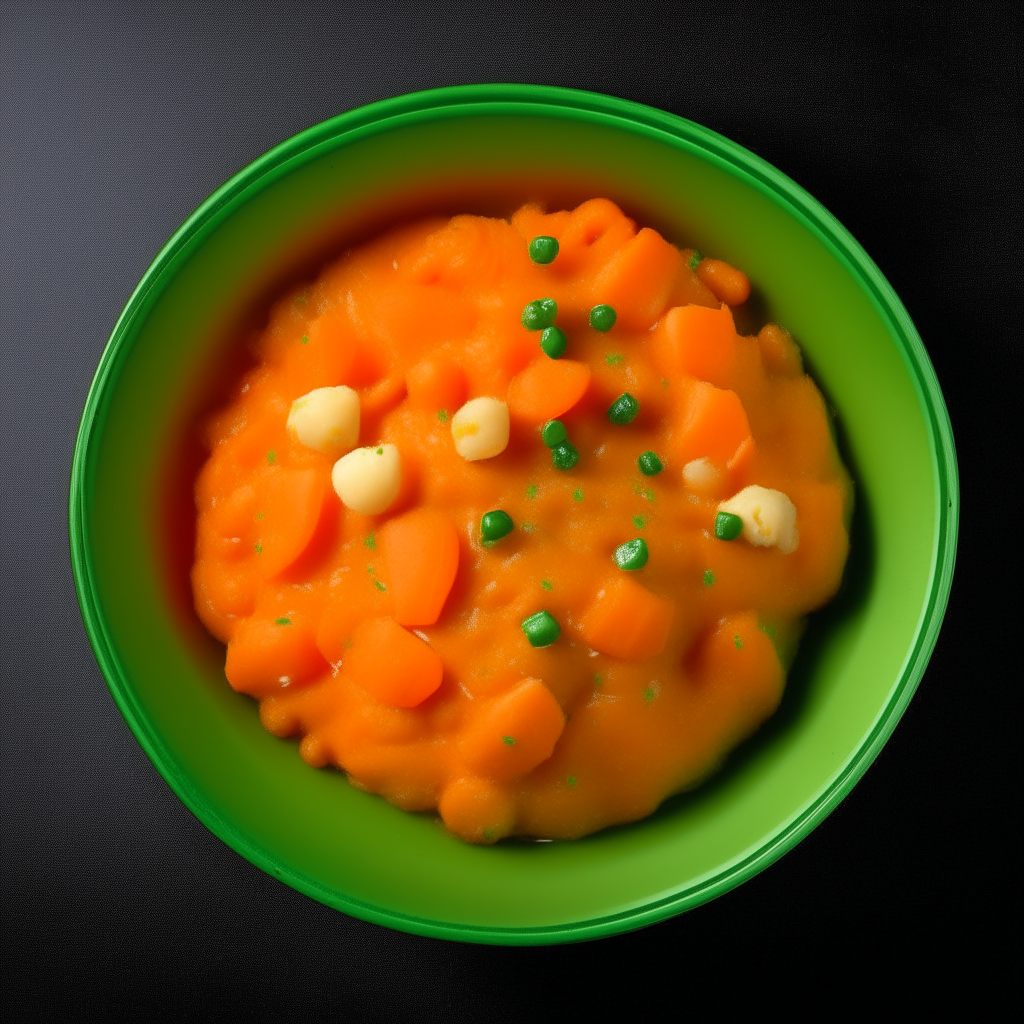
[477, 810]
[266, 654]
[436, 382]
[324, 355]
[688, 289]
[696, 342]
[730, 285]
[289, 506]
[625, 620]
[780, 354]
[738, 664]
[392, 664]
[714, 424]
[513, 734]
[547, 388]
[638, 280]
[742, 460]
[355, 599]
[421, 549]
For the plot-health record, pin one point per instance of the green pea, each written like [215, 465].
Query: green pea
[543, 249]
[553, 433]
[624, 409]
[650, 464]
[728, 526]
[696, 258]
[539, 314]
[602, 318]
[542, 629]
[495, 525]
[631, 555]
[553, 341]
[564, 455]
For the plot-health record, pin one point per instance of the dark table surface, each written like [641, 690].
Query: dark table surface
[118, 120]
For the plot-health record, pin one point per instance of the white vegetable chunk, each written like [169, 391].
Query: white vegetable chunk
[480, 429]
[368, 479]
[702, 476]
[326, 419]
[769, 517]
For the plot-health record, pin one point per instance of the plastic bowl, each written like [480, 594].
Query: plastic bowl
[485, 149]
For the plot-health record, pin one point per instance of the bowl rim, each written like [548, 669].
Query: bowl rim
[535, 100]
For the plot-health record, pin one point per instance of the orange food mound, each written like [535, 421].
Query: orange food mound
[392, 644]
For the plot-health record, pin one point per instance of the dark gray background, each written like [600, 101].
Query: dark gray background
[117, 120]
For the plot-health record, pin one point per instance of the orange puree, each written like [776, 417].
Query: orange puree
[392, 643]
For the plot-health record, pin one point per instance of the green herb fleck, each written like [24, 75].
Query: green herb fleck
[546, 584]
[664, 382]
[347, 644]
[271, 455]
[282, 621]
[259, 548]
[370, 541]
[571, 780]
[648, 694]
[639, 522]
[531, 491]
[614, 358]
[369, 569]
[738, 641]
[577, 495]
[509, 741]
[709, 577]
[380, 450]
[305, 339]
[259, 515]
[696, 258]
[529, 527]
[380, 586]
[598, 679]
[442, 415]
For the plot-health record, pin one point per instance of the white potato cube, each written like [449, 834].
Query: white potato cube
[769, 517]
[702, 476]
[368, 479]
[327, 419]
[480, 429]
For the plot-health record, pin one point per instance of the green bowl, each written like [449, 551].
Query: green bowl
[485, 149]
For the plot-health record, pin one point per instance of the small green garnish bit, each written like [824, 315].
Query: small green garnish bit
[624, 409]
[598, 679]
[301, 299]
[696, 258]
[648, 694]
[369, 570]
[529, 527]
[509, 741]
[664, 382]
[531, 491]
[650, 464]
[380, 450]
[553, 342]
[546, 584]
[495, 525]
[282, 621]
[614, 359]
[564, 456]
[380, 586]
[271, 455]
[639, 522]
[602, 318]
[542, 629]
[305, 339]
[577, 495]
[768, 630]
[442, 415]
[543, 249]
[728, 526]
[738, 641]
[370, 541]
[259, 548]
[539, 314]
[570, 781]
[553, 433]
[643, 492]
[259, 515]
[709, 578]
[631, 555]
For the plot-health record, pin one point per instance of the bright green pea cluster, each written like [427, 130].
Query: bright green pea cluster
[624, 409]
[631, 555]
[541, 629]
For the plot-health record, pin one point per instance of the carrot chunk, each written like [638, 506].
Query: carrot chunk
[513, 734]
[421, 549]
[288, 513]
[547, 388]
[625, 620]
[729, 285]
[638, 280]
[714, 425]
[436, 382]
[697, 342]
[476, 810]
[779, 352]
[267, 654]
[392, 664]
